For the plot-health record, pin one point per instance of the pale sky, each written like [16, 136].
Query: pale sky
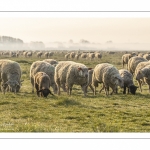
[98, 30]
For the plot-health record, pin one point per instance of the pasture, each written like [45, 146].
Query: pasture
[25, 112]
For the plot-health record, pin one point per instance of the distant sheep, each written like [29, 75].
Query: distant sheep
[125, 59]
[51, 61]
[42, 84]
[146, 56]
[133, 62]
[39, 54]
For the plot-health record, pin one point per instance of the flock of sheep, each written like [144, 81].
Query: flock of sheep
[64, 74]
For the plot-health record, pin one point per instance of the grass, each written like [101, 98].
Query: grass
[25, 112]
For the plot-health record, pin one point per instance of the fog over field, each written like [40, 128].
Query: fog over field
[75, 33]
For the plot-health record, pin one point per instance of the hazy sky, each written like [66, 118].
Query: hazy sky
[98, 30]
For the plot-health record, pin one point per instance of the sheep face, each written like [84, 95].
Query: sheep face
[13, 86]
[119, 81]
[44, 92]
[133, 89]
[83, 72]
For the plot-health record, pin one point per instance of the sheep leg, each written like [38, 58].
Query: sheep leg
[94, 90]
[91, 88]
[32, 82]
[140, 85]
[103, 87]
[124, 90]
[84, 89]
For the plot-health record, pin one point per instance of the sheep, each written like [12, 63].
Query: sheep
[98, 55]
[46, 54]
[67, 56]
[125, 59]
[77, 56]
[68, 73]
[91, 56]
[42, 84]
[41, 66]
[29, 54]
[51, 61]
[133, 62]
[139, 67]
[51, 54]
[72, 55]
[10, 75]
[108, 75]
[25, 53]
[144, 73]
[84, 55]
[141, 54]
[146, 56]
[39, 54]
[128, 81]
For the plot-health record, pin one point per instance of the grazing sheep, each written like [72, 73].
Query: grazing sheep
[141, 54]
[25, 54]
[39, 54]
[84, 55]
[77, 56]
[72, 55]
[133, 62]
[46, 54]
[139, 67]
[51, 54]
[125, 59]
[68, 73]
[10, 75]
[42, 84]
[108, 75]
[67, 56]
[91, 56]
[98, 55]
[144, 73]
[29, 54]
[41, 66]
[128, 81]
[146, 56]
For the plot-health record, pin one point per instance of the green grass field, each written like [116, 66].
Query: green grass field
[25, 112]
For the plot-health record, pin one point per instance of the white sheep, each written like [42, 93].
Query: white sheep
[144, 73]
[41, 66]
[68, 73]
[128, 81]
[139, 67]
[133, 62]
[10, 75]
[108, 75]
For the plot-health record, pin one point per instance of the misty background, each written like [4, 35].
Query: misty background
[11, 43]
